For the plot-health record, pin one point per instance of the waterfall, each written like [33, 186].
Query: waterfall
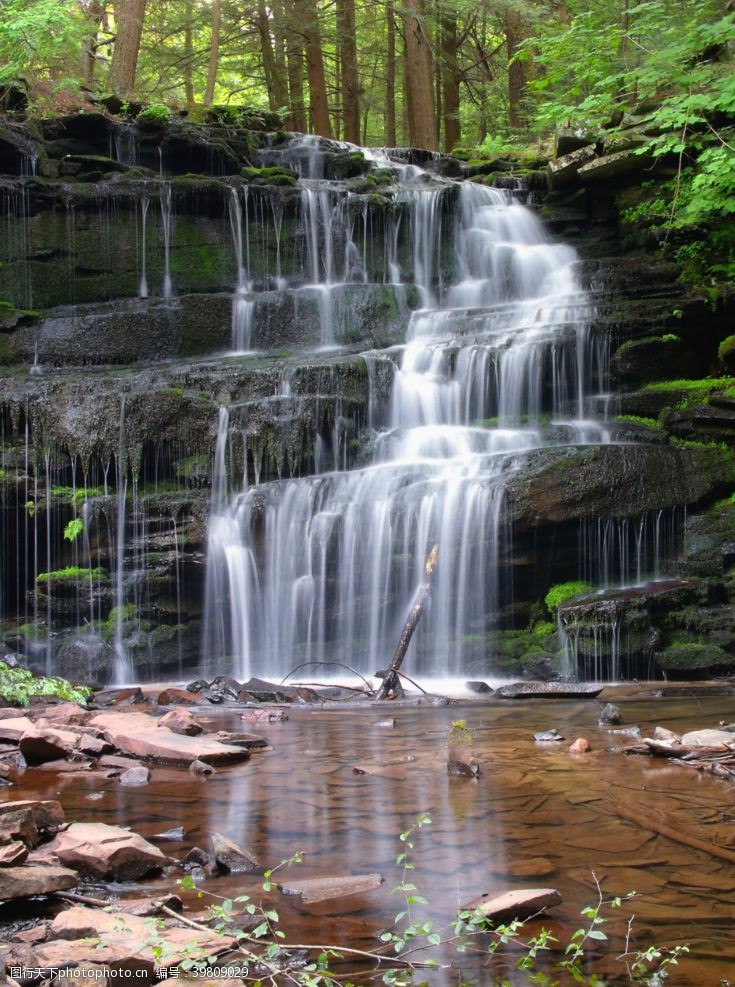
[242, 304]
[166, 218]
[325, 567]
[144, 203]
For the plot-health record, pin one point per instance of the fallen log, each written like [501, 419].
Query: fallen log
[391, 687]
[647, 822]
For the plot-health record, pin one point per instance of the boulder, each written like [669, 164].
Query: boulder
[13, 854]
[40, 745]
[708, 738]
[139, 734]
[47, 813]
[119, 697]
[512, 905]
[666, 736]
[180, 720]
[107, 852]
[580, 746]
[564, 170]
[200, 768]
[13, 727]
[18, 826]
[25, 882]
[68, 714]
[79, 922]
[569, 139]
[478, 686]
[134, 777]
[609, 715]
[231, 858]
[613, 166]
[312, 890]
[178, 697]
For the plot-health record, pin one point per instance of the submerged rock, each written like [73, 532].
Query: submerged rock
[512, 905]
[140, 735]
[231, 858]
[312, 890]
[548, 690]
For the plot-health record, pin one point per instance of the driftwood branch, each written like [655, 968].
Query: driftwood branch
[391, 685]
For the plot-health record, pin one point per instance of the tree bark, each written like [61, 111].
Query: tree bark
[514, 34]
[295, 53]
[315, 66]
[391, 684]
[129, 15]
[274, 79]
[188, 54]
[421, 127]
[93, 11]
[213, 52]
[390, 79]
[450, 78]
[349, 81]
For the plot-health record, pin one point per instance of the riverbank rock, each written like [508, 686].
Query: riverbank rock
[548, 690]
[180, 720]
[140, 735]
[231, 858]
[29, 821]
[27, 881]
[107, 852]
[512, 905]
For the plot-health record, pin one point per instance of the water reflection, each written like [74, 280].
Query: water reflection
[537, 817]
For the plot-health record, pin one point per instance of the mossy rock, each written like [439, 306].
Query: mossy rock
[638, 361]
[693, 657]
[726, 354]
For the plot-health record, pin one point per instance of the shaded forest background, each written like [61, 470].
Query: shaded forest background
[472, 77]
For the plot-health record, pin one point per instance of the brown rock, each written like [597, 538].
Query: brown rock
[93, 746]
[264, 715]
[248, 741]
[13, 854]
[513, 904]
[67, 767]
[316, 889]
[666, 736]
[152, 906]
[119, 697]
[232, 858]
[13, 727]
[47, 813]
[110, 852]
[200, 768]
[118, 762]
[36, 934]
[180, 720]
[138, 734]
[19, 826]
[178, 697]
[24, 882]
[134, 777]
[40, 745]
[580, 746]
[86, 923]
[68, 714]
[708, 738]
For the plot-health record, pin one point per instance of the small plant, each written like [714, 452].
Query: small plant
[155, 115]
[73, 529]
[19, 685]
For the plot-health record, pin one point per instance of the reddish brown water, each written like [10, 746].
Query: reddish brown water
[538, 816]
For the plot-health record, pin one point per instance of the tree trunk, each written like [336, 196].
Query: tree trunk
[349, 81]
[438, 72]
[421, 128]
[450, 78]
[390, 80]
[274, 79]
[315, 66]
[93, 12]
[213, 52]
[514, 35]
[188, 55]
[129, 15]
[391, 684]
[295, 52]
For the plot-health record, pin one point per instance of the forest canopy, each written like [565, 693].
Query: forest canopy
[432, 73]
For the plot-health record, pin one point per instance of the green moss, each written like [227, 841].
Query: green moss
[76, 496]
[71, 573]
[19, 685]
[269, 176]
[692, 656]
[691, 393]
[543, 628]
[562, 592]
[726, 346]
[638, 420]
[154, 116]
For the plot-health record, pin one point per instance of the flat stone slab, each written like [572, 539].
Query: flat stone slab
[708, 738]
[140, 735]
[13, 727]
[549, 690]
[47, 813]
[107, 852]
[312, 890]
[24, 882]
[500, 908]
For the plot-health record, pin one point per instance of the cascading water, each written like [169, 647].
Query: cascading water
[325, 567]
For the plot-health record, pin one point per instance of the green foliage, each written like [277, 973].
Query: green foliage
[543, 628]
[40, 39]
[639, 420]
[19, 685]
[562, 592]
[71, 573]
[726, 346]
[73, 529]
[156, 115]
[77, 496]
